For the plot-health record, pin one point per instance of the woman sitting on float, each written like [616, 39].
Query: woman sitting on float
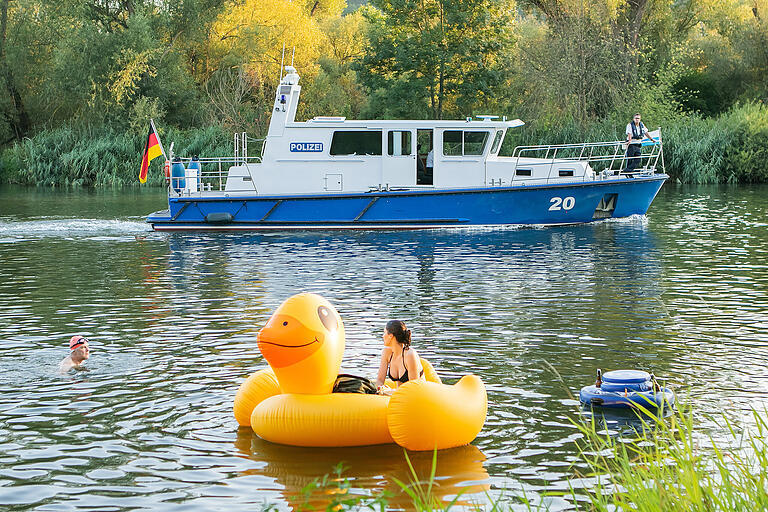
[291, 402]
[398, 355]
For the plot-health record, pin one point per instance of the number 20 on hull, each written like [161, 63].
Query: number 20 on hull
[562, 203]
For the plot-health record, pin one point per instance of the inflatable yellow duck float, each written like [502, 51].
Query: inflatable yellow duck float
[292, 401]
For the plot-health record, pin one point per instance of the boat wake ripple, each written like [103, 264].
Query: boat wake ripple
[13, 230]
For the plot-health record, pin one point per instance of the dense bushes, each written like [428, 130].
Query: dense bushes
[732, 147]
[81, 84]
[100, 157]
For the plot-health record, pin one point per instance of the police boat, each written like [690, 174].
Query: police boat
[335, 173]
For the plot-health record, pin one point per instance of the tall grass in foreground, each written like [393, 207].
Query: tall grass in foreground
[667, 466]
[671, 467]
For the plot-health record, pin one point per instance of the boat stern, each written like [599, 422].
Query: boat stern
[159, 217]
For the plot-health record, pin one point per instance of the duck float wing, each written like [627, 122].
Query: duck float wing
[256, 388]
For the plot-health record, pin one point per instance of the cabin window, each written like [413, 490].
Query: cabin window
[497, 142]
[474, 142]
[522, 172]
[398, 143]
[366, 142]
[452, 143]
[458, 142]
[565, 172]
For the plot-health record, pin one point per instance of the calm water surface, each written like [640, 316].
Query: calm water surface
[172, 318]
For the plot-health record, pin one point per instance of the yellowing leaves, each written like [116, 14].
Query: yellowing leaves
[254, 32]
[345, 37]
[324, 7]
[134, 66]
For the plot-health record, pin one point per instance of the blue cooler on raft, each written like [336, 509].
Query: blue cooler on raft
[625, 389]
[178, 173]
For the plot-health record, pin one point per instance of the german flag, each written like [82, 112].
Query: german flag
[151, 150]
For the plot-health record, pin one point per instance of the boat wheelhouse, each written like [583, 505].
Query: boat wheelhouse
[335, 173]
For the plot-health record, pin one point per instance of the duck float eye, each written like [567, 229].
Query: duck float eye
[328, 318]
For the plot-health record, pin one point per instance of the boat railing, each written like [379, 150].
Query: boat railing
[605, 158]
[214, 171]
[241, 141]
[212, 176]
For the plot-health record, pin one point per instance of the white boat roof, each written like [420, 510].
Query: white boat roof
[341, 122]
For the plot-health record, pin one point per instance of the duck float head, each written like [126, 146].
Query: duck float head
[303, 342]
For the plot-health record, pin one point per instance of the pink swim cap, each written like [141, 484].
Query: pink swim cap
[77, 340]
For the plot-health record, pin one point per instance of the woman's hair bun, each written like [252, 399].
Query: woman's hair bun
[397, 329]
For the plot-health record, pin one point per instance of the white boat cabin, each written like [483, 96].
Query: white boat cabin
[333, 154]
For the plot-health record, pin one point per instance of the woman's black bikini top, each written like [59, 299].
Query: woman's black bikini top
[404, 377]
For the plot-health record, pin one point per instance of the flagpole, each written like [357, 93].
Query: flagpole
[152, 122]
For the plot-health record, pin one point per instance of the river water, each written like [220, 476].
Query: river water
[682, 292]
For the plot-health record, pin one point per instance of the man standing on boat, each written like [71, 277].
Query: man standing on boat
[636, 131]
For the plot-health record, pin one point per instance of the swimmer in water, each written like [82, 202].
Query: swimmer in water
[78, 345]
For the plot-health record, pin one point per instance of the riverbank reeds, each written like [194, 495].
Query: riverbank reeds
[666, 465]
[100, 157]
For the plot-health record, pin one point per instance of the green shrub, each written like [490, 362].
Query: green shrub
[747, 154]
[100, 157]
[10, 166]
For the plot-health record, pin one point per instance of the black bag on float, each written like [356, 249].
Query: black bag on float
[346, 383]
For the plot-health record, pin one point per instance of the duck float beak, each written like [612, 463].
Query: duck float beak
[285, 341]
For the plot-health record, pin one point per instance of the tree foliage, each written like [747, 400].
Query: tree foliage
[565, 66]
[447, 55]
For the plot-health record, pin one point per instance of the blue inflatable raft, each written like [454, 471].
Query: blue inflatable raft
[627, 388]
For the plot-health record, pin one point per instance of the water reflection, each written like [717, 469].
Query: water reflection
[458, 471]
[624, 422]
[534, 312]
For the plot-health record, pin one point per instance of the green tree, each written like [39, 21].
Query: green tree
[435, 56]
[13, 110]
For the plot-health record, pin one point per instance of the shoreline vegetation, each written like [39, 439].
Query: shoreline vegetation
[79, 80]
[658, 464]
[731, 148]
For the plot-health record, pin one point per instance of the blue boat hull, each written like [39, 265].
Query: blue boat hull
[571, 203]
